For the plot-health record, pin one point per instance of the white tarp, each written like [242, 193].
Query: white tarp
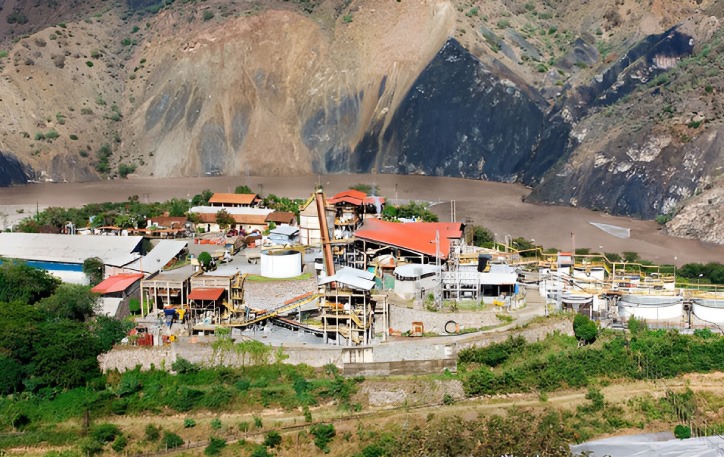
[652, 445]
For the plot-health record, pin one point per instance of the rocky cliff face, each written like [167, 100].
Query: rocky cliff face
[609, 106]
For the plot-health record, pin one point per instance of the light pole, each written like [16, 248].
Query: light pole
[698, 280]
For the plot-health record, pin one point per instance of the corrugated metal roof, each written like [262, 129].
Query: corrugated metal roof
[68, 248]
[233, 199]
[210, 293]
[116, 283]
[414, 270]
[285, 230]
[159, 256]
[349, 279]
[364, 274]
[413, 236]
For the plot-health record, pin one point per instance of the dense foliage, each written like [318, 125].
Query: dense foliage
[137, 392]
[712, 272]
[584, 329]
[557, 361]
[412, 210]
[48, 335]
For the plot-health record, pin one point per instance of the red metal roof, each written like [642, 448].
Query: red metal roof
[413, 236]
[116, 283]
[355, 197]
[206, 294]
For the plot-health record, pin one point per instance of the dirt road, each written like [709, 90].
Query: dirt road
[497, 206]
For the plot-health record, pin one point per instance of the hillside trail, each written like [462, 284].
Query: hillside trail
[468, 409]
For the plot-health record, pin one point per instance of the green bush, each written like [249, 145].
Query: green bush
[152, 432]
[682, 432]
[183, 366]
[215, 446]
[215, 424]
[584, 329]
[125, 169]
[323, 434]
[207, 15]
[189, 423]
[272, 439]
[172, 440]
[105, 433]
[205, 260]
[89, 63]
[260, 451]
[120, 443]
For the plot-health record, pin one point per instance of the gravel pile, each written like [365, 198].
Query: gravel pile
[272, 294]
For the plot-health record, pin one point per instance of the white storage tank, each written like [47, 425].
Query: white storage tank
[286, 263]
[709, 310]
[651, 307]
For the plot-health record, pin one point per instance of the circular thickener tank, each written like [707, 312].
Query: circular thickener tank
[281, 264]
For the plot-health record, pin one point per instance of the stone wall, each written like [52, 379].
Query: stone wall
[402, 356]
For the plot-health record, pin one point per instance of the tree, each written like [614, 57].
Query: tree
[70, 301]
[631, 256]
[11, 375]
[25, 284]
[243, 190]
[482, 236]
[93, 269]
[109, 331]
[224, 219]
[416, 210]
[66, 354]
[584, 329]
[205, 260]
[19, 328]
[202, 199]
[323, 434]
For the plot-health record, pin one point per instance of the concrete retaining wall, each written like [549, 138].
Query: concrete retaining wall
[403, 367]
[410, 356]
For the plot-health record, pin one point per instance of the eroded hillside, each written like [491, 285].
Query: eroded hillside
[609, 105]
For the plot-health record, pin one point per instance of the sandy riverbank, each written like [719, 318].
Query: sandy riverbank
[497, 206]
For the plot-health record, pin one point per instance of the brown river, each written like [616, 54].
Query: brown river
[497, 206]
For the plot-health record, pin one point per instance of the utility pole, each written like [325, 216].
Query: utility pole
[438, 266]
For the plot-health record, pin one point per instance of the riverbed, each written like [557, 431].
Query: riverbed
[497, 206]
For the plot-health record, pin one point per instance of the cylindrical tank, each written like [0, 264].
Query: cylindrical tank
[281, 264]
[651, 307]
[709, 310]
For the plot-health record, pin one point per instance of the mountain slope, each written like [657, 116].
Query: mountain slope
[609, 105]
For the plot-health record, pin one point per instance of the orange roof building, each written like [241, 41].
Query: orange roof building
[116, 283]
[282, 217]
[234, 200]
[415, 237]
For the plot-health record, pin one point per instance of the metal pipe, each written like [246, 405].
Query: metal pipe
[324, 229]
